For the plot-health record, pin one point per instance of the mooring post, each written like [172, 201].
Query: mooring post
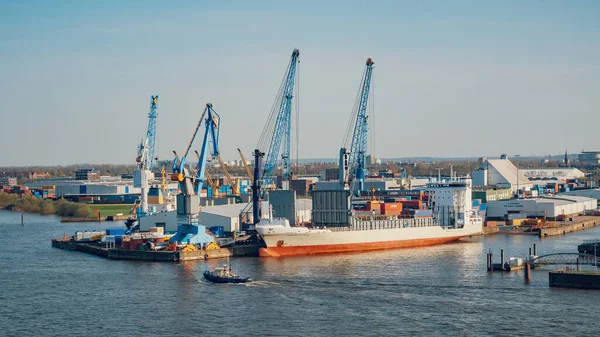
[22, 219]
[502, 258]
[534, 253]
[529, 251]
[527, 272]
[578, 264]
[489, 264]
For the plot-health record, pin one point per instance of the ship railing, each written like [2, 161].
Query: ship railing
[360, 224]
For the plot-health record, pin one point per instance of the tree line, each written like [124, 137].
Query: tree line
[31, 204]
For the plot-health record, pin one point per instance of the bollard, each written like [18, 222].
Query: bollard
[534, 253]
[527, 272]
[502, 258]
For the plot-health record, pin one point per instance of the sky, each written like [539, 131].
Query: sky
[451, 78]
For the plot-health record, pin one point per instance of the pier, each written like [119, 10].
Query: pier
[574, 279]
[156, 255]
[564, 227]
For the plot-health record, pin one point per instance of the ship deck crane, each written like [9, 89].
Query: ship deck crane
[189, 230]
[277, 134]
[353, 159]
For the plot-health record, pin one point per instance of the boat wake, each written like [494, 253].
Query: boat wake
[261, 284]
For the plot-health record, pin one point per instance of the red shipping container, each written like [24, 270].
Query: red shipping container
[391, 208]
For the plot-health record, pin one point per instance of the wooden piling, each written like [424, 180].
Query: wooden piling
[502, 258]
[534, 253]
[527, 272]
[489, 262]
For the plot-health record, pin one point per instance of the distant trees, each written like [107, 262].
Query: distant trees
[31, 204]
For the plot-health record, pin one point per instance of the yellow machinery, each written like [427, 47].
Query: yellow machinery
[189, 248]
[248, 170]
[235, 184]
[211, 246]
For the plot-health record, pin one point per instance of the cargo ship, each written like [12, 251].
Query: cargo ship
[452, 218]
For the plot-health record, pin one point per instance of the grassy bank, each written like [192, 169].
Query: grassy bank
[109, 210]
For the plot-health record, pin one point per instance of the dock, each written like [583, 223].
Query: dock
[578, 224]
[156, 255]
[574, 279]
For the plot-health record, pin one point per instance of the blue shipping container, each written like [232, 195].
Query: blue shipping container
[115, 231]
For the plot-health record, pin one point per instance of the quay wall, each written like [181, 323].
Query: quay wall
[569, 227]
[577, 280]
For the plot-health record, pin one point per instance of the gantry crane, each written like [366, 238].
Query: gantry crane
[189, 230]
[353, 160]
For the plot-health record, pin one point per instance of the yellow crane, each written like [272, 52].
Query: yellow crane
[214, 185]
[248, 170]
[234, 184]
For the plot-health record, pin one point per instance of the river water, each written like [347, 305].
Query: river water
[440, 290]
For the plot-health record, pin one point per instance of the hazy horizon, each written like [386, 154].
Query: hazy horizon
[451, 79]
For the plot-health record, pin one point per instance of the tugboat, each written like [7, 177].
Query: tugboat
[224, 275]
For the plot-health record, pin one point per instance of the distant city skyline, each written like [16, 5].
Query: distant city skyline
[451, 79]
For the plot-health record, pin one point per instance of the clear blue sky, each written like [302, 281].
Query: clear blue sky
[452, 78]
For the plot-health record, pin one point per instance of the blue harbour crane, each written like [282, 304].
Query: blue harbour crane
[188, 229]
[151, 131]
[145, 158]
[277, 132]
[353, 159]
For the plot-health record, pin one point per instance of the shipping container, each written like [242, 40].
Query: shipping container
[490, 224]
[412, 204]
[115, 231]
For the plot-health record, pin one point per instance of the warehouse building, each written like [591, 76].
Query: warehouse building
[589, 158]
[500, 173]
[590, 193]
[559, 174]
[548, 207]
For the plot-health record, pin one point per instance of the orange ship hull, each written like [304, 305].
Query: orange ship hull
[340, 248]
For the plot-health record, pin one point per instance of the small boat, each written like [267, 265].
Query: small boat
[224, 275]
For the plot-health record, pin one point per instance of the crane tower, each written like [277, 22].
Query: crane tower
[353, 159]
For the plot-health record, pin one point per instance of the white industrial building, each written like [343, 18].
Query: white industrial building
[501, 173]
[590, 193]
[549, 207]
[560, 174]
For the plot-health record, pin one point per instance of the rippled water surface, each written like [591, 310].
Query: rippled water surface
[441, 290]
